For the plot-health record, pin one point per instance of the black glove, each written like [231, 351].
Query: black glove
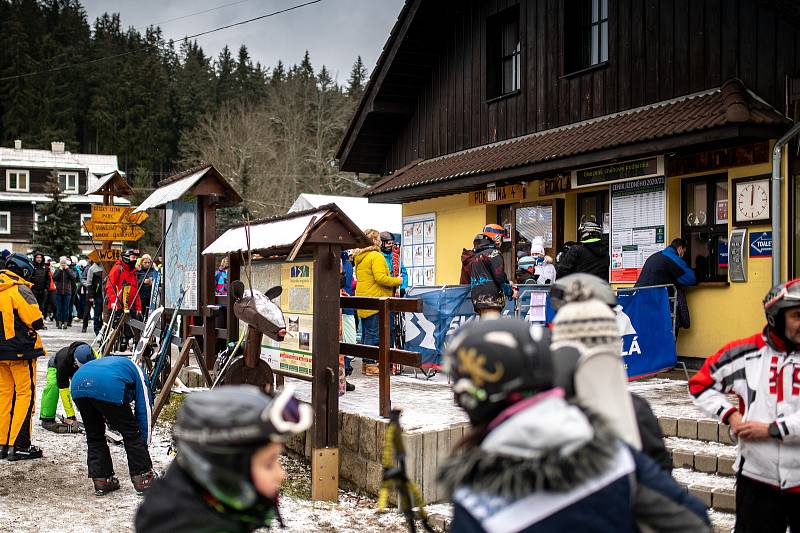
[402, 293]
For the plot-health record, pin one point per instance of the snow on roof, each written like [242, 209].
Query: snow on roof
[172, 191]
[366, 215]
[98, 165]
[94, 164]
[262, 236]
[69, 198]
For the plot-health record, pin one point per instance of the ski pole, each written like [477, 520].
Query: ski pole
[165, 343]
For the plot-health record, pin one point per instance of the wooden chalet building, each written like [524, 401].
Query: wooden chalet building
[23, 175]
[656, 118]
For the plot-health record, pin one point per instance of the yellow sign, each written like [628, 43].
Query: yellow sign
[117, 213]
[507, 194]
[112, 254]
[116, 232]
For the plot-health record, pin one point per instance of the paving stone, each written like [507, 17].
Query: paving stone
[724, 500]
[687, 428]
[669, 426]
[705, 462]
[725, 465]
[682, 459]
[367, 436]
[701, 492]
[725, 434]
[708, 430]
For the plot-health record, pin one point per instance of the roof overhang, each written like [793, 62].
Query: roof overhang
[204, 180]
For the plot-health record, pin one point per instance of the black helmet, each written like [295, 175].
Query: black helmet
[129, 256]
[218, 431]
[777, 300]
[589, 230]
[20, 265]
[579, 288]
[495, 363]
[386, 238]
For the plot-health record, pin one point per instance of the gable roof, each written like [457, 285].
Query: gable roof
[181, 183]
[725, 110]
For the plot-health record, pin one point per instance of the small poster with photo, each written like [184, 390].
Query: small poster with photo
[428, 231]
[430, 276]
[429, 255]
[418, 260]
[408, 253]
[416, 237]
[419, 277]
[408, 230]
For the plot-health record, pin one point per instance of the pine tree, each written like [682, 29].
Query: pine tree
[226, 83]
[278, 74]
[358, 77]
[58, 230]
[143, 186]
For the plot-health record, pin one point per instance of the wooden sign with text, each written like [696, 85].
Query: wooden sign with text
[556, 185]
[112, 254]
[115, 232]
[117, 213]
[507, 194]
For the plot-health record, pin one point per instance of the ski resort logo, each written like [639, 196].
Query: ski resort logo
[627, 330]
[420, 331]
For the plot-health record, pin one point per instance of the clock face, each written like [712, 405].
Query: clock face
[752, 200]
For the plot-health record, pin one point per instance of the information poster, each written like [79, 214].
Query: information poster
[297, 303]
[180, 255]
[638, 225]
[419, 249]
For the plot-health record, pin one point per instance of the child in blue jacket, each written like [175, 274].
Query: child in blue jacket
[103, 390]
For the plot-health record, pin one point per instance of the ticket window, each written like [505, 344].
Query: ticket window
[704, 215]
[594, 206]
[541, 219]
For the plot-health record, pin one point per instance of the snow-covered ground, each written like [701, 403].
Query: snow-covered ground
[55, 494]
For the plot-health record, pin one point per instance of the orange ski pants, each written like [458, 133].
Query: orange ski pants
[17, 399]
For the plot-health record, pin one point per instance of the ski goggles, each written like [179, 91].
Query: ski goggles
[287, 414]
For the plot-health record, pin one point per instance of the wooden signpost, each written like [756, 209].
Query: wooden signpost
[102, 231]
[112, 254]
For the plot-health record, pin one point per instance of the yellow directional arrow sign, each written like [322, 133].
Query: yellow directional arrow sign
[117, 213]
[116, 232]
[112, 254]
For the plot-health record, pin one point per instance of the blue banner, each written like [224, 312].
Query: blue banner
[648, 341]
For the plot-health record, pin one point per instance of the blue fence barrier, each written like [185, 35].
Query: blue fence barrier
[648, 341]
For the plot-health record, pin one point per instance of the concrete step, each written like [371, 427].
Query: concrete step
[706, 457]
[695, 428]
[716, 491]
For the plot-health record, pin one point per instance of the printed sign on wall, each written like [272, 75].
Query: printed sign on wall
[761, 244]
[419, 249]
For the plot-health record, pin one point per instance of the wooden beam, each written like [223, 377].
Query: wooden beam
[384, 341]
[396, 356]
[396, 305]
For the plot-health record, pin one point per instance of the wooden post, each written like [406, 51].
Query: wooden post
[384, 368]
[234, 273]
[325, 371]
[206, 228]
[252, 347]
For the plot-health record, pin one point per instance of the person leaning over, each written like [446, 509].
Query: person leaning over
[60, 369]
[763, 370]
[373, 277]
[19, 349]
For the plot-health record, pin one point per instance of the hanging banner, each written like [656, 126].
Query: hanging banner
[644, 317]
[638, 225]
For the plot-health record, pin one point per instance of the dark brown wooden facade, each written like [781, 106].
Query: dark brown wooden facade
[39, 178]
[428, 95]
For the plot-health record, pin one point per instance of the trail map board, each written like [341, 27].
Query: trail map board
[180, 254]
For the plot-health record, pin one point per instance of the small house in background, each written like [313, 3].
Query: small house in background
[23, 175]
[365, 214]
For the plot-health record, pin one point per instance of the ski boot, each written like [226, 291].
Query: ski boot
[3, 451]
[104, 485]
[349, 387]
[23, 454]
[143, 482]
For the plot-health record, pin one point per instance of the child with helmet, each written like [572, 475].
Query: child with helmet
[763, 371]
[227, 474]
[534, 461]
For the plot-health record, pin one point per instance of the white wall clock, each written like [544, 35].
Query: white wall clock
[751, 200]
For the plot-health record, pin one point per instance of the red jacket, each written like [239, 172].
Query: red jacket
[122, 279]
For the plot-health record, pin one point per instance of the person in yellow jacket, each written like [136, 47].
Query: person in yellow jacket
[20, 347]
[374, 279]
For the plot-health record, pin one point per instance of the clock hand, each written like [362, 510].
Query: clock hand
[752, 195]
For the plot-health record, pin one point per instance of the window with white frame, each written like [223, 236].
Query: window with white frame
[84, 219]
[68, 182]
[17, 180]
[5, 222]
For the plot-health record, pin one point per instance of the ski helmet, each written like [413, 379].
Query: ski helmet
[529, 262]
[387, 242]
[20, 265]
[589, 230]
[217, 432]
[496, 232]
[579, 288]
[496, 363]
[780, 298]
[83, 354]
[129, 256]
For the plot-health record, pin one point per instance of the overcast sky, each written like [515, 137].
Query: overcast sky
[333, 31]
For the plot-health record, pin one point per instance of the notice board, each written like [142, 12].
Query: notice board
[297, 303]
[180, 255]
[638, 225]
[419, 249]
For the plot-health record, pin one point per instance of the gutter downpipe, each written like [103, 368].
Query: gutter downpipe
[776, 202]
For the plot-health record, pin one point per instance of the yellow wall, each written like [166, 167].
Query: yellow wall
[719, 314]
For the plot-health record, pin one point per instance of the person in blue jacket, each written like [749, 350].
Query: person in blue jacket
[388, 251]
[103, 390]
[669, 268]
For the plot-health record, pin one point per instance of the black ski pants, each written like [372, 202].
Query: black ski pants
[762, 508]
[95, 414]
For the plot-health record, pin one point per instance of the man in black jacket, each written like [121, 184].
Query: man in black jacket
[40, 280]
[590, 255]
[487, 277]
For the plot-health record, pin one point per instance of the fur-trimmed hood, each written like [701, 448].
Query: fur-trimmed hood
[359, 251]
[548, 445]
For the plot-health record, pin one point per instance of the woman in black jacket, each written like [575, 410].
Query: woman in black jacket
[64, 279]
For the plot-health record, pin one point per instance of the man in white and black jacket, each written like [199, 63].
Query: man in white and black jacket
[763, 371]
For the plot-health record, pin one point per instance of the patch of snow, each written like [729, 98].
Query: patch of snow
[694, 446]
[687, 477]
